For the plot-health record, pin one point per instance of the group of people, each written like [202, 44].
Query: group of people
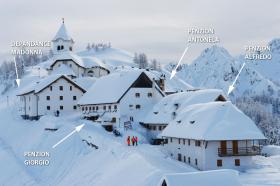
[132, 140]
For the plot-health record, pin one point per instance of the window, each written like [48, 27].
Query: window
[61, 107]
[179, 141]
[74, 107]
[184, 159]
[70, 48]
[61, 47]
[70, 88]
[171, 140]
[237, 162]
[83, 108]
[104, 107]
[89, 108]
[29, 108]
[197, 143]
[58, 47]
[109, 107]
[48, 97]
[160, 128]
[61, 88]
[115, 107]
[195, 161]
[137, 95]
[219, 163]
[60, 97]
[29, 98]
[70, 65]
[189, 160]
[48, 107]
[138, 106]
[184, 141]
[97, 108]
[93, 108]
[50, 88]
[189, 142]
[74, 97]
[86, 108]
[150, 94]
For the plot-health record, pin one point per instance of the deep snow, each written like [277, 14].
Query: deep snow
[75, 163]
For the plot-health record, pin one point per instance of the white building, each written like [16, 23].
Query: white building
[121, 97]
[214, 135]
[51, 94]
[168, 108]
[62, 47]
[202, 178]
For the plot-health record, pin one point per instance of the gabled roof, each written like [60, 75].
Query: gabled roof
[37, 87]
[223, 177]
[162, 112]
[85, 62]
[62, 34]
[111, 88]
[213, 121]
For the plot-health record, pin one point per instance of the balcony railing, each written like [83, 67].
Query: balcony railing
[241, 151]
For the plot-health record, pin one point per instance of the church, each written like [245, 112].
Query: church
[82, 66]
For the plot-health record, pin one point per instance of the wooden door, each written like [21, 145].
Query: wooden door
[235, 147]
[223, 147]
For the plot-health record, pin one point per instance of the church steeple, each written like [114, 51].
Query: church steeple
[62, 42]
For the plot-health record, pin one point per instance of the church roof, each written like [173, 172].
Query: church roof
[62, 34]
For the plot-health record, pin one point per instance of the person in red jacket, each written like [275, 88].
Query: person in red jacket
[133, 140]
[136, 140]
[128, 140]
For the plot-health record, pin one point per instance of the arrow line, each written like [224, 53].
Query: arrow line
[231, 87]
[77, 129]
[17, 79]
[179, 62]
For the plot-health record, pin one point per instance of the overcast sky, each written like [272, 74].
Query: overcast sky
[156, 27]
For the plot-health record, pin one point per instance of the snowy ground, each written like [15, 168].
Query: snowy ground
[75, 163]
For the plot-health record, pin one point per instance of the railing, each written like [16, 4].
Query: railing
[241, 151]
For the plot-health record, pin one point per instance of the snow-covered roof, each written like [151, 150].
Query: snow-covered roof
[85, 82]
[62, 34]
[110, 88]
[43, 83]
[64, 70]
[86, 62]
[162, 112]
[203, 178]
[212, 121]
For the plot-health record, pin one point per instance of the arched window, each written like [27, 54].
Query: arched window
[70, 48]
[90, 73]
[62, 47]
[58, 47]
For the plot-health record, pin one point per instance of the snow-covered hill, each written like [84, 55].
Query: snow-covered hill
[216, 68]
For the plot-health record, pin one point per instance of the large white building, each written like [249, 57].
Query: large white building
[121, 97]
[62, 47]
[214, 135]
[51, 94]
[167, 109]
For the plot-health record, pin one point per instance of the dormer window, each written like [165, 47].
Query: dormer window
[62, 47]
[58, 47]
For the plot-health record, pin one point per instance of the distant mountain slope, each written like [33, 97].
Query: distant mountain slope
[216, 68]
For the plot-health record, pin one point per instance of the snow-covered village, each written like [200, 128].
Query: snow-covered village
[102, 115]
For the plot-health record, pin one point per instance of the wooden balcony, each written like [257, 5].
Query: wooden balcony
[241, 151]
